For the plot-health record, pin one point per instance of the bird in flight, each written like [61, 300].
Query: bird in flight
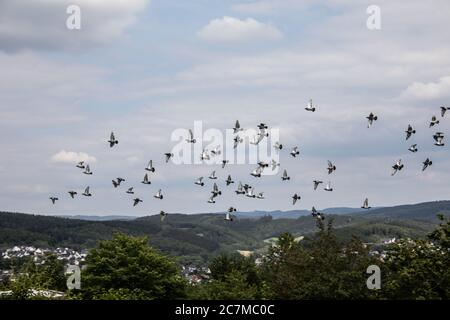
[72, 194]
[87, 192]
[278, 146]
[231, 209]
[316, 183]
[130, 190]
[316, 214]
[444, 110]
[146, 180]
[285, 176]
[260, 195]
[295, 198]
[434, 121]
[240, 189]
[204, 155]
[191, 139]
[310, 106]
[229, 180]
[199, 182]
[295, 152]
[366, 204]
[331, 167]
[81, 165]
[228, 217]
[371, 118]
[213, 176]
[237, 139]
[398, 166]
[150, 166]
[237, 127]
[136, 202]
[168, 156]
[413, 148]
[88, 171]
[426, 164]
[54, 199]
[328, 187]
[274, 164]
[216, 192]
[163, 215]
[257, 172]
[439, 137]
[158, 195]
[112, 140]
[409, 131]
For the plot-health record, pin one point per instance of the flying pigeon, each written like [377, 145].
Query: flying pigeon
[371, 118]
[240, 189]
[130, 190]
[229, 180]
[274, 165]
[191, 137]
[285, 176]
[213, 175]
[217, 151]
[316, 183]
[310, 106]
[413, 148]
[211, 199]
[295, 198]
[249, 192]
[72, 194]
[237, 127]
[438, 137]
[204, 155]
[260, 195]
[410, 131]
[146, 180]
[163, 215]
[257, 172]
[224, 163]
[231, 209]
[433, 121]
[200, 182]
[112, 140]
[328, 187]
[398, 166]
[295, 152]
[426, 164]
[136, 202]
[115, 183]
[263, 164]
[87, 192]
[54, 199]
[81, 165]
[168, 156]
[444, 110]
[316, 214]
[120, 180]
[228, 217]
[278, 146]
[150, 166]
[216, 192]
[366, 204]
[331, 167]
[237, 139]
[87, 170]
[158, 195]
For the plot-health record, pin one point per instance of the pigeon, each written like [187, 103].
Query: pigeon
[366, 204]
[260, 195]
[81, 165]
[295, 198]
[217, 151]
[87, 192]
[278, 146]
[146, 180]
[224, 163]
[150, 166]
[331, 167]
[115, 183]
[426, 164]
[371, 118]
[316, 214]
[229, 180]
[237, 127]
[204, 155]
[200, 182]
[285, 176]
[263, 164]
[261, 134]
[310, 106]
[213, 175]
[112, 140]
[191, 137]
[413, 148]
[136, 202]
[72, 194]
[231, 209]
[316, 183]
[87, 171]
[444, 110]
[237, 139]
[328, 187]
[158, 195]
[398, 166]
[163, 215]
[249, 192]
[228, 217]
[211, 199]
[410, 131]
[438, 137]
[168, 156]
[54, 199]
[120, 180]
[274, 165]
[262, 126]
[295, 152]
[433, 121]
[257, 172]
[240, 189]
[130, 191]
[216, 192]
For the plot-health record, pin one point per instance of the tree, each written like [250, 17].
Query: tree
[127, 267]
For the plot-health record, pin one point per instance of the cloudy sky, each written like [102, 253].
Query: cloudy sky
[145, 68]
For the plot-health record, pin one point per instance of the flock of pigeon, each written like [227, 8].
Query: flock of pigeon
[246, 189]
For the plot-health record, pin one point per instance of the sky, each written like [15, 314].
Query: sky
[145, 68]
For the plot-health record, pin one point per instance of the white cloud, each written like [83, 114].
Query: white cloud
[229, 29]
[72, 157]
[41, 24]
[430, 90]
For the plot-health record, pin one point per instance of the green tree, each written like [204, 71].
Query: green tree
[127, 267]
